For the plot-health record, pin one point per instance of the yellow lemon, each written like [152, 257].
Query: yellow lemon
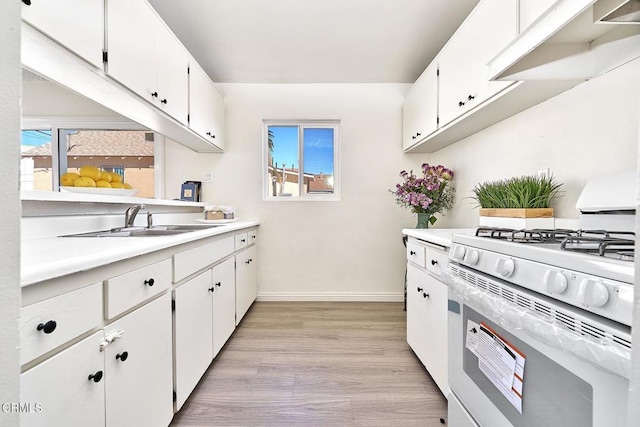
[117, 185]
[84, 181]
[105, 176]
[127, 186]
[115, 177]
[68, 179]
[103, 184]
[91, 172]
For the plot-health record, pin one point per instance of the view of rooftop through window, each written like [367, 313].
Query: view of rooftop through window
[129, 153]
[300, 148]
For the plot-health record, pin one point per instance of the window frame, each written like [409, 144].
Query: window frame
[301, 125]
[59, 163]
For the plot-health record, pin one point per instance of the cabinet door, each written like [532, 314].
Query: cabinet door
[224, 303]
[246, 281]
[131, 43]
[173, 77]
[77, 25]
[463, 72]
[139, 368]
[59, 391]
[410, 118]
[194, 333]
[420, 108]
[206, 107]
[427, 323]
[416, 322]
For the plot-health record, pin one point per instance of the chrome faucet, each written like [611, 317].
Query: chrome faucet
[130, 214]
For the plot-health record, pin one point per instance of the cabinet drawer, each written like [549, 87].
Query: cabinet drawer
[242, 240]
[436, 261]
[188, 262]
[252, 237]
[50, 323]
[416, 253]
[130, 289]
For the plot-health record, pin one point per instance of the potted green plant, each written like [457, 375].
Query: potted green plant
[519, 202]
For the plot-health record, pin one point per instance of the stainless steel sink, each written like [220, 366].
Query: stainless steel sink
[156, 230]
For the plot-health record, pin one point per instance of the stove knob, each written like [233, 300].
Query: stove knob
[505, 267]
[592, 292]
[471, 257]
[457, 252]
[554, 282]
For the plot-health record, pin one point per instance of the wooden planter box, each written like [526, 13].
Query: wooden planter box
[517, 218]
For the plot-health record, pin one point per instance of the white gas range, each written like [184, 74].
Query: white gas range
[539, 325]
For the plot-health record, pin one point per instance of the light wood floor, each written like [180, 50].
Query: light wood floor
[316, 364]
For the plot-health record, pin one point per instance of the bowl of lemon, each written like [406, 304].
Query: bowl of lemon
[91, 180]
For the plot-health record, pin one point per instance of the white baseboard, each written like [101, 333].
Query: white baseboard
[328, 296]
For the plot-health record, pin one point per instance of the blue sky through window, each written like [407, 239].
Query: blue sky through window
[35, 138]
[318, 148]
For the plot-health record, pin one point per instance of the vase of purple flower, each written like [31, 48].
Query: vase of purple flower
[427, 195]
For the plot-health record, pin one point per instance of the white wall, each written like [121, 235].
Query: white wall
[588, 131]
[10, 200]
[324, 250]
[43, 98]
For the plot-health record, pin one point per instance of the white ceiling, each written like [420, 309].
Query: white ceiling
[314, 41]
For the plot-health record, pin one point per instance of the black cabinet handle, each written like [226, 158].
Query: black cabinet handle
[249, 261]
[211, 135]
[418, 134]
[412, 252]
[420, 289]
[164, 101]
[96, 377]
[122, 356]
[149, 282]
[243, 240]
[154, 94]
[424, 295]
[460, 104]
[470, 97]
[434, 262]
[218, 284]
[211, 289]
[27, 2]
[413, 137]
[48, 327]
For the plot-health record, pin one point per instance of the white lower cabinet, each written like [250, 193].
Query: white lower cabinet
[67, 389]
[194, 333]
[427, 317]
[246, 281]
[138, 367]
[125, 383]
[224, 303]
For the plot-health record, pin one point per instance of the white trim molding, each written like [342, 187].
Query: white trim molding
[332, 296]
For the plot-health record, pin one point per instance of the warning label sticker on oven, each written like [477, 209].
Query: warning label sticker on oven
[501, 362]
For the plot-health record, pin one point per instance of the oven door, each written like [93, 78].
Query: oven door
[558, 388]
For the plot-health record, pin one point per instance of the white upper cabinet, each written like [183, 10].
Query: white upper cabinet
[463, 73]
[206, 107]
[78, 25]
[420, 109]
[146, 57]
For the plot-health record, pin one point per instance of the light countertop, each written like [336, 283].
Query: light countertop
[439, 236]
[50, 257]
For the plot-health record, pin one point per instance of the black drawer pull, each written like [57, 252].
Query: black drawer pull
[211, 289]
[434, 262]
[412, 252]
[425, 295]
[96, 377]
[48, 327]
[149, 282]
[122, 356]
[154, 94]
[164, 101]
[27, 2]
[460, 104]
[420, 289]
[218, 284]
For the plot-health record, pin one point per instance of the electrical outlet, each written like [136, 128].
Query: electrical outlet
[544, 173]
[207, 177]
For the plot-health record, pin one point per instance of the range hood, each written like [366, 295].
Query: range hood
[628, 13]
[572, 40]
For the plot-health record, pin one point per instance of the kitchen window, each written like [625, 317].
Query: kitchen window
[301, 160]
[52, 149]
